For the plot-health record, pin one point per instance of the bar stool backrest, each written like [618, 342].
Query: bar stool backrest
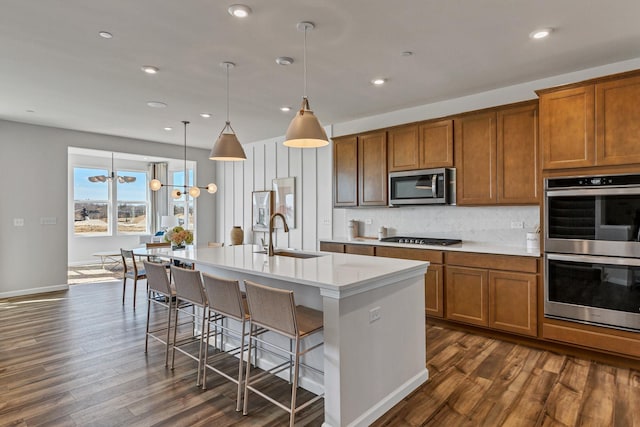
[188, 285]
[157, 278]
[272, 308]
[224, 296]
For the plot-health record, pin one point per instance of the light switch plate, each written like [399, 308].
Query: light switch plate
[48, 220]
[18, 222]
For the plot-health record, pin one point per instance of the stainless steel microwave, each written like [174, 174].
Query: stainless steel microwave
[423, 187]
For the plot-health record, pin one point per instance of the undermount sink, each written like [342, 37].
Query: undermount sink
[291, 254]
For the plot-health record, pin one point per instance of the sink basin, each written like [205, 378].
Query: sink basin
[291, 254]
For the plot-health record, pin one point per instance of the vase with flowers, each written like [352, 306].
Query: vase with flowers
[178, 237]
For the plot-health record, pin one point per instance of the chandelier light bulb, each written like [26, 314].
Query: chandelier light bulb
[194, 192]
[212, 188]
[175, 193]
[155, 184]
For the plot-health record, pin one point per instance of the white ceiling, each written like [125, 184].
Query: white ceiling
[53, 62]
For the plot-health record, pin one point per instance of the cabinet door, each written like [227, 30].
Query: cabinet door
[345, 171]
[467, 295]
[403, 148]
[436, 144]
[513, 302]
[618, 122]
[372, 169]
[433, 288]
[475, 142]
[567, 122]
[517, 153]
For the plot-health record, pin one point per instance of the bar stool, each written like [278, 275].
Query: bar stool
[159, 286]
[225, 302]
[190, 295]
[275, 310]
[132, 272]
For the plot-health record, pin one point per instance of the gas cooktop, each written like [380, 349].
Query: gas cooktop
[422, 240]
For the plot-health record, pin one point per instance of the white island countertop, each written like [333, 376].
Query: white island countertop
[336, 275]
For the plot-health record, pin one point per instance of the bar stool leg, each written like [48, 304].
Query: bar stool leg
[146, 336]
[175, 334]
[294, 387]
[238, 398]
[246, 377]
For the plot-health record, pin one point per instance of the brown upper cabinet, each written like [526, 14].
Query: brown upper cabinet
[595, 123]
[360, 170]
[496, 156]
[421, 146]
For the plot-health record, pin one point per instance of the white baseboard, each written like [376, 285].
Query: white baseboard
[32, 291]
[393, 398]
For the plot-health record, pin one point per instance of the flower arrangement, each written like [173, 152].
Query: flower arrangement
[178, 236]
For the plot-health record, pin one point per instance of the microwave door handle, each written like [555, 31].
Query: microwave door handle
[434, 185]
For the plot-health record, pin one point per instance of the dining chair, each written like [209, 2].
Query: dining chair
[130, 271]
[275, 310]
[152, 258]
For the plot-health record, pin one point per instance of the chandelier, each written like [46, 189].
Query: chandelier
[112, 176]
[179, 190]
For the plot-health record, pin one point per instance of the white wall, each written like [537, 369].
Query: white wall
[33, 169]
[267, 160]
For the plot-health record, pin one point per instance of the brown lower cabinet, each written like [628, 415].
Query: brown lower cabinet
[481, 290]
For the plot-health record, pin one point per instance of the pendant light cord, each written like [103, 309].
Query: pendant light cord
[227, 67]
[186, 177]
[304, 60]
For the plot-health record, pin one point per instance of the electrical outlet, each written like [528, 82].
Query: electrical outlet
[517, 224]
[18, 222]
[374, 314]
[326, 221]
[368, 221]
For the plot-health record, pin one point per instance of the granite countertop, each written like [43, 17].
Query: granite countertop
[465, 246]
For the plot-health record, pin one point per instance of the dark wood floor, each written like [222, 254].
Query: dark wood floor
[76, 359]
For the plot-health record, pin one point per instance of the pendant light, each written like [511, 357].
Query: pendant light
[305, 130]
[112, 176]
[227, 146]
[194, 191]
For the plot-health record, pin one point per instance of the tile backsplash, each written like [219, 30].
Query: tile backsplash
[491, 224]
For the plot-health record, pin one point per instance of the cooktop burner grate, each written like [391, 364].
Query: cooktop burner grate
[422, 240]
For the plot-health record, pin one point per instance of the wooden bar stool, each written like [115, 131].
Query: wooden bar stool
[275, 310]
[159, 285]
[225, 302]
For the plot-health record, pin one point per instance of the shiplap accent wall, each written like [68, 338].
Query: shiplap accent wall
[266, 160]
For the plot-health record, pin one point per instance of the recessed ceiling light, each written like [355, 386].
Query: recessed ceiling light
[30, 111]
[105, 35]
[284, 60]
[156, 104]
[407, 53]
[239, 10]
[540, 33]
[379, 81]
[285, 109]
[205, 115]
[150, 69]
[168, 128]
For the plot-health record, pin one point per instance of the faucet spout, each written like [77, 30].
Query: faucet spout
[271, 227]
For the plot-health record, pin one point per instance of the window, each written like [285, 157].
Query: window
[133, 204]
[103, 205]
[91, 203]
[184, 202]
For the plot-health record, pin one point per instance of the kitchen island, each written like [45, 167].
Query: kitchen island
[374, 351]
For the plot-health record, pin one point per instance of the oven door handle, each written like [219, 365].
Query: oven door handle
[594, 259]
[602, 191]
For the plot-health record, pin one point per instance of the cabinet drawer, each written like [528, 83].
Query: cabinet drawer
[493, 262]
[332, 247]
[436, 257]
[360, 249]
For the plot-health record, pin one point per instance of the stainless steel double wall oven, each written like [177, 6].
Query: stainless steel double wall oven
[592, 250]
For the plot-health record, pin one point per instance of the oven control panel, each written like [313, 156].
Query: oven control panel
[594, 181]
